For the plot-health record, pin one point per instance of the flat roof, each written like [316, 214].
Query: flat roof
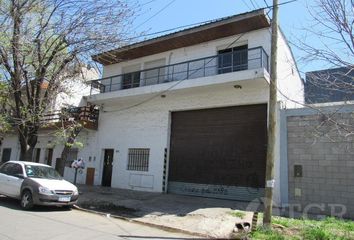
[219, 28]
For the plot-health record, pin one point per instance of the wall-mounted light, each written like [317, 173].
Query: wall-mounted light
[237, 86]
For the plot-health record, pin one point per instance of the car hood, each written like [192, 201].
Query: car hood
[53, 184]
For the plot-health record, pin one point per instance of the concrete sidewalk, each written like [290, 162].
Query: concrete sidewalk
[201, 216]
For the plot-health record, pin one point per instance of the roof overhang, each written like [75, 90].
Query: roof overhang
[225, 27]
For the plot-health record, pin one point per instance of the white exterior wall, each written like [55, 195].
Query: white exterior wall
[74, 90]
[147, 126]
[258, 38]
[46, 140]
[10, 141]
[89, 153]
[290, 85]
[290, 95]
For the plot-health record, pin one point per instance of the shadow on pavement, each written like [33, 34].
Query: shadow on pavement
[152, 237]
[132, 204]
[15, 205]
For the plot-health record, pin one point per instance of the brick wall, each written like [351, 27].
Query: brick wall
[324, 148]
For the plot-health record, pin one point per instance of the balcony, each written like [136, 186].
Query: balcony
[87, 116]
[227, 62]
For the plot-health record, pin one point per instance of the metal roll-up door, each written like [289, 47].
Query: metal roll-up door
[219, 152]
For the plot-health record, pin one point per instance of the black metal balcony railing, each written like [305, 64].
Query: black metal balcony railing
[252, 58]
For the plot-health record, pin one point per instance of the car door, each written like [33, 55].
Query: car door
[15, 179]
[4, 171]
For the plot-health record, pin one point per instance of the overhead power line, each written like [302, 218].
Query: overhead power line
[254, 4]
[246, 4]
[151, 1]
[178, 82]
[193, 24]
[158, 12]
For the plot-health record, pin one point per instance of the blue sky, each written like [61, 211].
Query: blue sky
[292, 17]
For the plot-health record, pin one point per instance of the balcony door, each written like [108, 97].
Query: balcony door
[131, 76]
[131, 80]
[233, 59]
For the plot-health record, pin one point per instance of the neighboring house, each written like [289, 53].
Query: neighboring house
[186, 112]
[47, 149]
[75, 90]
[329, 85]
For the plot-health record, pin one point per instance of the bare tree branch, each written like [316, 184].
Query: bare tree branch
[42, 42]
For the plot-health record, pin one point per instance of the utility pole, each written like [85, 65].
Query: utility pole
[267, 219]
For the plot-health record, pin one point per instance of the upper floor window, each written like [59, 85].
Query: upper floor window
[233, 59]
[155, 73]
[131, 76]
[131, 80]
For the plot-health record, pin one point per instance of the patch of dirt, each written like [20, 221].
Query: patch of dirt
[284, 231]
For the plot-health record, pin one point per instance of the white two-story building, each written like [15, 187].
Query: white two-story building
[186, 112]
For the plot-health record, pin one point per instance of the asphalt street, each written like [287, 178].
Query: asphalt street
[44, 223]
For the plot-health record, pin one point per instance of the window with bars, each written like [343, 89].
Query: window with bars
[138, 159]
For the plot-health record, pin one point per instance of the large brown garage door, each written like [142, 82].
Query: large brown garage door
[219, 152]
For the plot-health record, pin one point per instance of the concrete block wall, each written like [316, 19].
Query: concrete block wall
[324, 148]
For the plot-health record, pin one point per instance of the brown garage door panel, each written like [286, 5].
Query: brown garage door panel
[221, 146]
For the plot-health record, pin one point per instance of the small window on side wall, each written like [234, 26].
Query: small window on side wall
[138, 159]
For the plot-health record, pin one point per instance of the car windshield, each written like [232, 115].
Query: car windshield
[42, 172]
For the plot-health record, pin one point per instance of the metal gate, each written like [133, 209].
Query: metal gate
[219, 152]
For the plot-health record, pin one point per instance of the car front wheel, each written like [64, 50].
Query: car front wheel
[26, 200]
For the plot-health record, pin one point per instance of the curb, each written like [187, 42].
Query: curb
[158, 226]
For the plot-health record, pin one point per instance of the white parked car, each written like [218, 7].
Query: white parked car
[36, 184]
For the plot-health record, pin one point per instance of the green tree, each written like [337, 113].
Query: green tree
[5, 125]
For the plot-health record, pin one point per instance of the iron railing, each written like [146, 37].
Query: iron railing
[86, 113]
[232, 61]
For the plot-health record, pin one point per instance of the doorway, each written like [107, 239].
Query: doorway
[49, 156]
[107, 167]
[6, 155]
[90, 176]
[36, 155]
